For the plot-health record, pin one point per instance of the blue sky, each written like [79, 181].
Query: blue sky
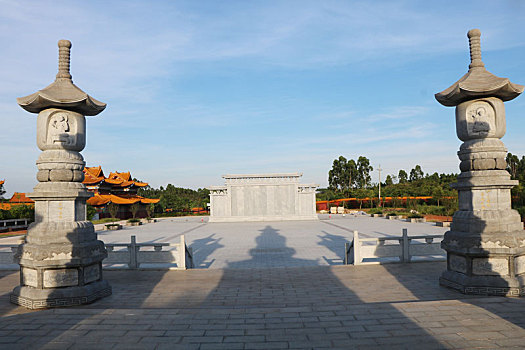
[198, 89]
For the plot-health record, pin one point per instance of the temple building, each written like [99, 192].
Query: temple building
[18, 198]
[117, 188]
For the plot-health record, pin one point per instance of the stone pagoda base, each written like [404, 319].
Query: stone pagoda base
[61, 260]
[486, 264]
[34, 298]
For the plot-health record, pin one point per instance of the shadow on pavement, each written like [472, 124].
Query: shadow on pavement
[271, 251]
[336, 244]
[203, 248]
[307, 307]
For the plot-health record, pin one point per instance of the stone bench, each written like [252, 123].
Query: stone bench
[416, 220]
[443, 223]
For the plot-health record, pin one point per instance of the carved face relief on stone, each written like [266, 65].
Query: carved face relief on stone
[479, 119]
[58, 129]
[61, 129]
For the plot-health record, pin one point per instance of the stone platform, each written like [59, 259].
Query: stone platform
[364, 307]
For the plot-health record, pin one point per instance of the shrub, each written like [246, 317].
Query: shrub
[521, 210]
[431, 210]
[18, 212]
[90, 212]
[375, 211]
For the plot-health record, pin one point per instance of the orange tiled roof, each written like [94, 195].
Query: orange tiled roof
[20, 197]
[5, 206]
[2, 182]
[102, 199]
[93, 175]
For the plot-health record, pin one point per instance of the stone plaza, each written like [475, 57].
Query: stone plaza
[270, 285]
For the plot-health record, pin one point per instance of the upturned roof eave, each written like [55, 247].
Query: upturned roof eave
[478, 83]
[62, 93]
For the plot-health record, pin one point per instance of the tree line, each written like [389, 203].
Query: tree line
[176, 199]
[516, 169]
[350, 178]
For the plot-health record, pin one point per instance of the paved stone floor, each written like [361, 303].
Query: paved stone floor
[243, 297]
[264, 244]
[267, 244]
[365, 307]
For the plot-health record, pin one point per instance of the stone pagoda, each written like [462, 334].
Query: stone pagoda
[61, 259]
[486, 242]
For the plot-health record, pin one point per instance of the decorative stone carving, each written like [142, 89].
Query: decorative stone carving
[61, 258]
[490, 266]
[458, 263]
[485, 244]
[60, 278]
[30, 277]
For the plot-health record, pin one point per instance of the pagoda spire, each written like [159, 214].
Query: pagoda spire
[62, 93]
[478, 82]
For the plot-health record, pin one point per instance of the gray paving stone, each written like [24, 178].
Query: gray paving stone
[222, 346]
[310, 306]
[163, 339]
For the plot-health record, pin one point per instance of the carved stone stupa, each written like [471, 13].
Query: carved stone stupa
[60, 261]
[486, 242]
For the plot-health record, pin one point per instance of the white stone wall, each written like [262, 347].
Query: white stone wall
[262, 197]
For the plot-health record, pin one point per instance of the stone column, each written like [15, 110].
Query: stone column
[486, 242]
[61, 259]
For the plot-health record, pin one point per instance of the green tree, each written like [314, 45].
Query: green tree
[150, 209]
[438, 194]
[90, 212]
[389, 181]
[361, 194]
[402, 176]
[134, 208]
[363, 172]
[336, 173]
[23, 212]
[113, 210]
[513, 163]
[416, 173]
[342, 176]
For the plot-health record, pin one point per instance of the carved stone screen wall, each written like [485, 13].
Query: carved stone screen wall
[262, 197]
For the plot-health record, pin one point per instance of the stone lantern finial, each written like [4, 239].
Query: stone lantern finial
[64, 52]
[475, 48]
[478, 82]
[62, 93]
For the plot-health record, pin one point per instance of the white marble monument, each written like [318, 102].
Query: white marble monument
[486, 242]
[60, 261]
[262, 197]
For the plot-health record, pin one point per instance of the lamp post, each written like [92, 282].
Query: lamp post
[379, 169]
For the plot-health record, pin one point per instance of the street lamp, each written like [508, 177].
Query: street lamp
[379, 169]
